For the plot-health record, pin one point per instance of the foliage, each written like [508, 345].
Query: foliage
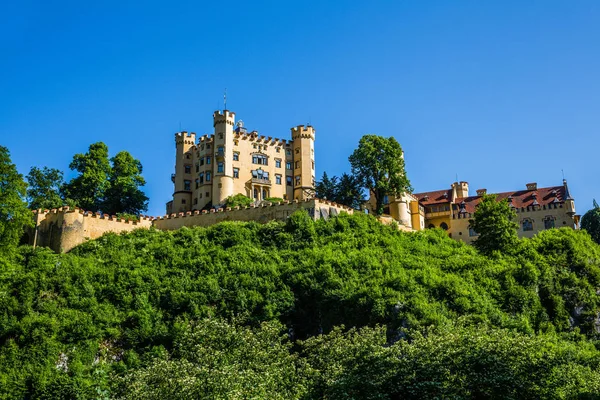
[346, 190]
[148, 313]
[238, 200]
[14, 215]
[591, 222]
[494, 222]
[378, 164]
[43, 191]
[213, 359]
[274, 199]
[123, 193]
[88, 188]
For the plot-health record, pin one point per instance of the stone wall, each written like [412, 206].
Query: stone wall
[64, 228]
[262, 214]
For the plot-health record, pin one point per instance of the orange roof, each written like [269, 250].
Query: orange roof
[435, 197]
[520, 198]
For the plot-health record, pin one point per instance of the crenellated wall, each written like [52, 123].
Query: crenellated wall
[64, 228]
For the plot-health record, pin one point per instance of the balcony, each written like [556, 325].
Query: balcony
[261, 181]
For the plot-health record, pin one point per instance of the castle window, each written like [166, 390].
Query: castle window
[197, 183]
[444, 226]
[202, 147]
[288, 180]
[202, 161]
[236, 142]
[187, 169]
[200, 195]
[183, 201]
[236, 156]
[259, 159]
[527, 224]
[431, 226]
[220, 135]
[288, 152]
[188, 156]
[195, 201]
[220, 150]
[254, 145]
[549, 223]
[187, 185]
[472, 232]
[277, 149]
[313, 181]
[277, 163]
[220, 167]
[208, 147]
[201, 178]
[297, 180]
[386, 200]
[207, 160]
[207, 194]
[288, 165]
[255, 193]
[207, 176]
[197, 167]
[264, 194]
[297, 150]
[236, 172]
[313, 165]
[297, 164]
[278, 179]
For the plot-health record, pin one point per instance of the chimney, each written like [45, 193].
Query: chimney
[532, 186]
[481, 192]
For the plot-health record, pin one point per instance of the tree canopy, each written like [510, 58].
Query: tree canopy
[44, 186]
[591, 222]
[494, 223]
[123, 193]
[14, 215]
[378, 164]
[346, 190]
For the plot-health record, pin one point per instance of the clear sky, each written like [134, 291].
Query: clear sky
[501, 93]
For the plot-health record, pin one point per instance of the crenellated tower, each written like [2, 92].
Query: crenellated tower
[182, 178]
[223, 187]
[304, 161]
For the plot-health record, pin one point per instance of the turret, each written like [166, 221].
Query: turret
[460, 189]
[182, 178]
[222, 187]
[304, 161]
[569, 201]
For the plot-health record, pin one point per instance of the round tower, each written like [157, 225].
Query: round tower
[182, 178]
[304, 161]
[222, 186]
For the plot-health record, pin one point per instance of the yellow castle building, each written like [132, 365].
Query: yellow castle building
[234, 161]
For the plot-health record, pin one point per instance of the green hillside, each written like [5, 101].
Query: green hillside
[345, 308]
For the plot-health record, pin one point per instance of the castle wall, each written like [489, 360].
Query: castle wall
[262, 214]
[62, 229]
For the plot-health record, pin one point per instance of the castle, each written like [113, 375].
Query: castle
[280, 176]
[234, 161]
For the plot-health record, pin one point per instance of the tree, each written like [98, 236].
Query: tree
[349, 192]
[123, 194]
[378, 164]
[494, 222]
[591, 222]
[14, 215]
[238, 200]
[326, 188]
[44, 188]
[87, 189]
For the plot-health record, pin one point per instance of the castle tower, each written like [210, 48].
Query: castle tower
[304, 161]
[182, 178]
[460, 189]
[222, 187]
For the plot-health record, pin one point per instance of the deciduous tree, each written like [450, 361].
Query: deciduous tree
[88, 188]
[494, 222]
[378, 164]
[123, 194]
[14, 215]
[44, 188]
[591, 222]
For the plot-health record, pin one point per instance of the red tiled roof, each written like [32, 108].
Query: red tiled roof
[434, 197]
[520, 198]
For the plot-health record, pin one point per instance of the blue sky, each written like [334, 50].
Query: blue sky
[499, 92]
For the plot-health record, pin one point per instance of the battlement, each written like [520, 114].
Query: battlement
[302, 131]
[225, 117]
[185, 137]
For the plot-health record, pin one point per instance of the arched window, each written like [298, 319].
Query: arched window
[527, 225]
[430, 226]
[444, 226]
[255, 193]
[549, 222]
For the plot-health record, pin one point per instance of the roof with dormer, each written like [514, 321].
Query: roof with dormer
[435, 197]
[520, 198]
